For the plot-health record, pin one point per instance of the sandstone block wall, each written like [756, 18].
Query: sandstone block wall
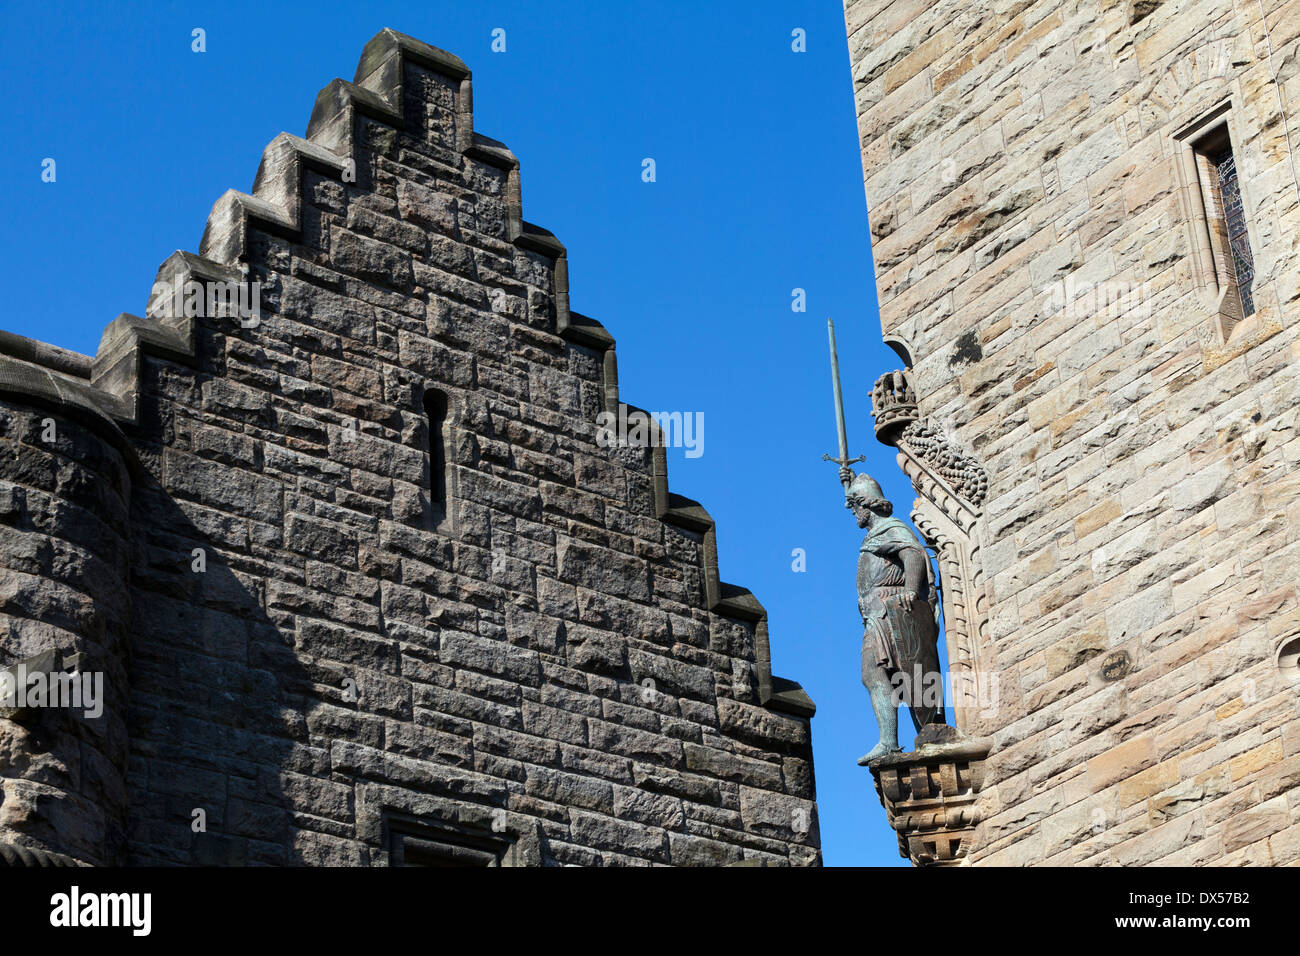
[1136, 553]
[380, 568]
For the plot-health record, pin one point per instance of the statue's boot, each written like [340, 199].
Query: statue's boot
[879, 750]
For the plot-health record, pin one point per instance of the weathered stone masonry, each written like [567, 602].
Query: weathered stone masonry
[1128, 572]
[240, 528]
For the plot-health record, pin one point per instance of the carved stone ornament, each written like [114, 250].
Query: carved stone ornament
[962, 473]
[893, 404]
[898, 423]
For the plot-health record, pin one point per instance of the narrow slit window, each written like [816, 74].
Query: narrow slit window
[435, 408]
[1226, 224]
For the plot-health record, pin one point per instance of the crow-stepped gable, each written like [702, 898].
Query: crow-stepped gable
[331, 525]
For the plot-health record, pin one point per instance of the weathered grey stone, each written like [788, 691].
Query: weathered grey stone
[374, 570]
[729, 766]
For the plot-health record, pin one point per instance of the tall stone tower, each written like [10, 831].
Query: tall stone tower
[333, 526]
[1084, 224]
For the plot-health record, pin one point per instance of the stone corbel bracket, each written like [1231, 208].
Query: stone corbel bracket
[930, 799]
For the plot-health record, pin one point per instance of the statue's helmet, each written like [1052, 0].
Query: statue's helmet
[866, 490]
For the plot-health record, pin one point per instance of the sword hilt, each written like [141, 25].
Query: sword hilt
[844, 462]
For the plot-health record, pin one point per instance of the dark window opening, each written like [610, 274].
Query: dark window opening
[436, 409]
[1234, 226]
[413, 842]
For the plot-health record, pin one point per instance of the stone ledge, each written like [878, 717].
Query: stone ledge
[48, 356]
[40, 387]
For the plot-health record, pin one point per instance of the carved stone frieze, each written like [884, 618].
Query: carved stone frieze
[963, 474]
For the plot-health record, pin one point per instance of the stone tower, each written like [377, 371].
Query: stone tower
[1084, 225]
[333, 526]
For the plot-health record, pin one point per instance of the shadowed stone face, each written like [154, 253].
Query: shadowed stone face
[386, 598]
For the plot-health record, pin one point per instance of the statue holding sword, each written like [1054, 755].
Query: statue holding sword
[896, 598]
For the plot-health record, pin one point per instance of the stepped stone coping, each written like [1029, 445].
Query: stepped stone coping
[103, 390]
[587, 331]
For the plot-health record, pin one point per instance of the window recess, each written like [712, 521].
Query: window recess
[1219, 218]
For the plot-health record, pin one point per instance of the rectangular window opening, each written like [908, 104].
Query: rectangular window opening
[1225, 225]
[417, 842]
[436, 409]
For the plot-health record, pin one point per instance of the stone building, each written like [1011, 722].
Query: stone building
[1084, 225]
[334, 527]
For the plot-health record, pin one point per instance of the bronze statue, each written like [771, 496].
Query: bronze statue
[896, 597]
[897, 600]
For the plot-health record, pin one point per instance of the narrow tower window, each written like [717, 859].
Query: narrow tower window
[1218, 217]
[435, 408]
[1226, 220]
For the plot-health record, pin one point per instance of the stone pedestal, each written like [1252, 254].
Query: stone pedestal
[929, 794]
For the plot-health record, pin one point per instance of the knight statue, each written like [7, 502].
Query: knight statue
[898, 604]
[897, 599]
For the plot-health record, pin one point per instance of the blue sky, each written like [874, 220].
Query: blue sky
[758, 192]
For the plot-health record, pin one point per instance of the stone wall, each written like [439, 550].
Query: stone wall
[382, 573]
[65, 537]
[1128, 576]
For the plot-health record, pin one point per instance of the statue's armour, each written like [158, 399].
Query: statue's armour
[881, 582]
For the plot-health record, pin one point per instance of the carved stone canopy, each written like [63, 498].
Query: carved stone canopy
[899, 423]
[893, 404]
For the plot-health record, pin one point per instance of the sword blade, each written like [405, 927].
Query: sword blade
[839, 398]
